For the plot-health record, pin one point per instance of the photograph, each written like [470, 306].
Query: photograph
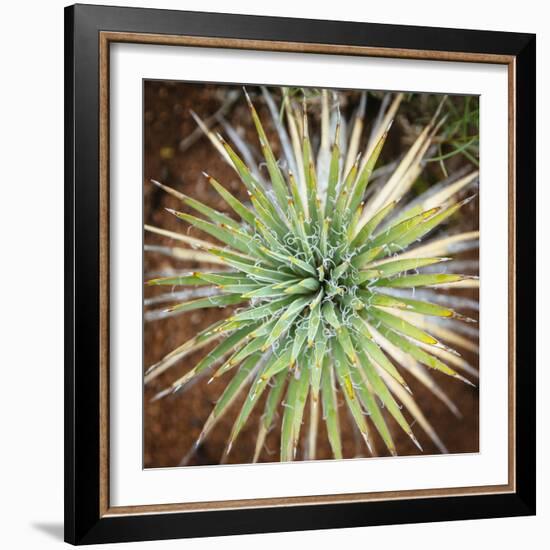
[310, 273]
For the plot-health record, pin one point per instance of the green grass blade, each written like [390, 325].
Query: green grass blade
[181, 280]
[309, 171]
[210, 301]
[290, 406]
[269, 217]
[203, 338]
[244, 290]
[221, 278]
[343, 375]
[287, 319]
[430, 279]
[373, 350]
[256, 271]
[315, 319]
[223, 234]
[214, 215]
[292, 261]
[298, 343]
[244, 213]
[365, 257]
[275, 174]
[256, 390]
[363, 179]
[368, 229]
[375, 414]
[380, 388]
[229, 343]
[370, 298]
[419, 354]
[265, 291]
[297, 201]
[301, 395]
[319, 352]
[395, 232]
[230, 393]
[330, 409]
[270, 408]
[334, 172]
[253, 186]
[280, 363]
[402, 326]
[305, 286]
[252, 346]
[343, 196]
[399, 266]
[262, 311]
[418, 232]
[425, 308]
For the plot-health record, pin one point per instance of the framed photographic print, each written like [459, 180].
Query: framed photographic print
[299, 274]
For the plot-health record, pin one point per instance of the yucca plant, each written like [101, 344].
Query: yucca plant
[333, 270]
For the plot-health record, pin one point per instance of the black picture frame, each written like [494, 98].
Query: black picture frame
[84, 522]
